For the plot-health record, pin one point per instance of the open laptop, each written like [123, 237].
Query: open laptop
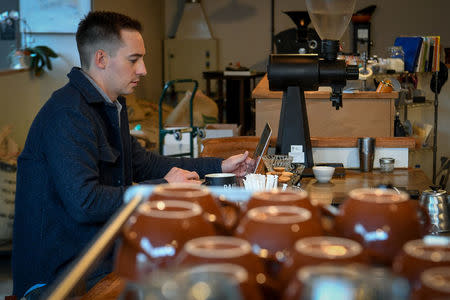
[262, 145]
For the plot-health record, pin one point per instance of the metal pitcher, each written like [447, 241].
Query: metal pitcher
[435, 202]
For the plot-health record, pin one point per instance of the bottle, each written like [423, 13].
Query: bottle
[399, 130]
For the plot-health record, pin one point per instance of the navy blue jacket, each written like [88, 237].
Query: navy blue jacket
[71, 177]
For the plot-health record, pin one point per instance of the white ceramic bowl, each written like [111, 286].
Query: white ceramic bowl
[323, 174]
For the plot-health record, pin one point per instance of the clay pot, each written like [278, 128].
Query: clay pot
[273, 230]
[246, 285]
[353, 281]
[224, 249]
[214, 208]
[382, 220]
[322, 250]
[434, 284]
[418, 255]
[300, 286]
[279, 197]
[155, 233]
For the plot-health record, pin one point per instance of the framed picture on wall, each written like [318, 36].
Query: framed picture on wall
[53, 16]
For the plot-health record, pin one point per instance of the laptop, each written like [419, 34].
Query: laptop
[262, 145]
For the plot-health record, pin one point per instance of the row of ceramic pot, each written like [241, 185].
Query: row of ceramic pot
[274, 236]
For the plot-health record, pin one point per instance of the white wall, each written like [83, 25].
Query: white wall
[23, 94]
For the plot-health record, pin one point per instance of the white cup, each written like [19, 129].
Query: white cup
[323, 174]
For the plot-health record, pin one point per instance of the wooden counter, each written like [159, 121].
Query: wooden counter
[262, 91]
[337, 189]
[362, 114]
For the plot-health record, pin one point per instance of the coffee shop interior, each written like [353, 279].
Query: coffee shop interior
[371, 110]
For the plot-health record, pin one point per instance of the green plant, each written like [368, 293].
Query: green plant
[39, 58]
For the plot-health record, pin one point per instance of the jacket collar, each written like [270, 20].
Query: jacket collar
[92, 95]
[86, 88]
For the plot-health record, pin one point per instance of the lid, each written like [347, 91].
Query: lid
[387, 160]
[434, 190]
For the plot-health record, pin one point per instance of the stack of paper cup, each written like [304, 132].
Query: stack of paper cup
[297, 154]
[259, 182]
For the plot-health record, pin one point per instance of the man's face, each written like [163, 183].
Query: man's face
[126, 66]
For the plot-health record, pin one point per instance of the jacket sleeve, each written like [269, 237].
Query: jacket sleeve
[71, 149]
[148, 165]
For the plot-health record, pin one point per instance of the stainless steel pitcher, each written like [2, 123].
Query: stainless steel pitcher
[434, 200]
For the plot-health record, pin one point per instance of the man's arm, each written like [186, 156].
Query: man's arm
[148, 165]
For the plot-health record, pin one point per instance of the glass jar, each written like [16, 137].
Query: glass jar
[396, 58]
[387, 164]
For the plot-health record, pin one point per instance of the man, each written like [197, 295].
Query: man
[79, 157]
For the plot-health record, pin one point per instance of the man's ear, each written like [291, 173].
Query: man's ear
[101, 58]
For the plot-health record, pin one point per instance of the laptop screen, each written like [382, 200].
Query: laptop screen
[262, 145]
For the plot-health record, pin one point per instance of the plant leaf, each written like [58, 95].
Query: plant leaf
[49, 52]
[40, 58]
[45, 59]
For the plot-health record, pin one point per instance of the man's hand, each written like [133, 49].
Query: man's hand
[179, 175]
[239, 164]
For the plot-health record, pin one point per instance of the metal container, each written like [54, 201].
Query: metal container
[387, 164]
[435, 201]
[366, 146]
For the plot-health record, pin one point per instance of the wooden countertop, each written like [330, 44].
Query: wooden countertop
[262, 91]
[337, 189]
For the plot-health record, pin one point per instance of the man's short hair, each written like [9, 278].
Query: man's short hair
[101, 30]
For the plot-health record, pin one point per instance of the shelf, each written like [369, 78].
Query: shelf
[423, 149]
[390, 74]
[12, 71]
[413, 105]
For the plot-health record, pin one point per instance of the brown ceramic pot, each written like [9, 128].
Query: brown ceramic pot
[155, 233]
[434, 284]
[246, 284]
[318, 250]
[212, 206]
[224, 249]
[351, 281]
[382, 220]
[279, 197]
[419, 255]
[301, 285]
[273, 230]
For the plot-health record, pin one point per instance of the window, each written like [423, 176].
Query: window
[9, 32]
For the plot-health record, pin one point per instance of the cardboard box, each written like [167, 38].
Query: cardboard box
[221, 130]
[172, 146]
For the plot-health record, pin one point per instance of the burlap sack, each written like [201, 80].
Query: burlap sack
[135, 111]
[205, 111]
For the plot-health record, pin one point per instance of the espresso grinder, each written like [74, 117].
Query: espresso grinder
[296, 73]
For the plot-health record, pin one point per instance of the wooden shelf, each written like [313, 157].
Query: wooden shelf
[352, 142]
[423, 149]
[12, 71]
[413, 105]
